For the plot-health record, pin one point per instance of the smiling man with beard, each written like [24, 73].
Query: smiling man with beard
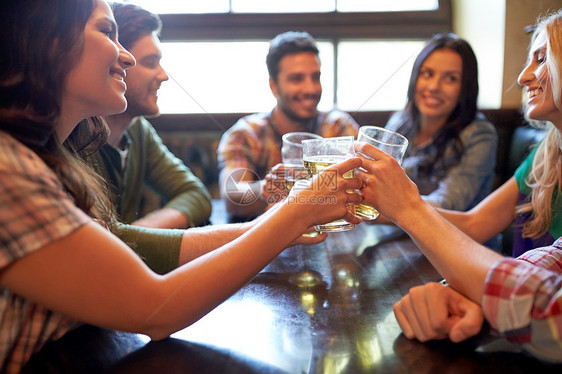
[252, 147]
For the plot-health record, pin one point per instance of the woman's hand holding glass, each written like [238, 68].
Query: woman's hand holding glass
[385, 184]
[325, 202]
[390, 142]
[318, 155]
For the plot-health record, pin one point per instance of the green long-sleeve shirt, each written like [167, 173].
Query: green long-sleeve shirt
[149, 162]
[158, 248]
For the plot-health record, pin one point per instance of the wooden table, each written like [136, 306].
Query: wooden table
[343, 325]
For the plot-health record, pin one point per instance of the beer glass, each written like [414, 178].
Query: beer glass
[387, 141]
[291, 153]
[318, 154]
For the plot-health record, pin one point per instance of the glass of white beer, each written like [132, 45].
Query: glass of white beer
[387, 141]
[291, 153]
[318, 154]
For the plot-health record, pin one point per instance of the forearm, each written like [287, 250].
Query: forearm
[490, 217]
[463, 262]
[201, 240]
[224, 271]
[194, 203]
[165, 218]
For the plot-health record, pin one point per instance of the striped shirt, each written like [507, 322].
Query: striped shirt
[34, 212]
[523, 300]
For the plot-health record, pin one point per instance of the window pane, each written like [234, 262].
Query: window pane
[183, 6]
[374, 75]
[386, 6]
[285, 6]
[223, 77]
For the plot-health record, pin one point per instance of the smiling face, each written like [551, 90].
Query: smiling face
[298, 89]
[438, 86]
[145, 79]
[536, 78]
[96, 84]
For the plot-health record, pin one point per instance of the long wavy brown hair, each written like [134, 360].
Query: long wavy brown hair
[40, 42]
[545, 178]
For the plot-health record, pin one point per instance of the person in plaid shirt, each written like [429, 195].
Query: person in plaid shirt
[252, 146]
[521, 298]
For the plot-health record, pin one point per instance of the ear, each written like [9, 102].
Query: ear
[273, 86]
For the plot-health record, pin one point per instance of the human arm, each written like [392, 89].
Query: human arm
[470, 179]
[74, 276]
[462, 261]
[490, 217]
[240, 182]
[433, 311]
[523, 300]
[187, 200]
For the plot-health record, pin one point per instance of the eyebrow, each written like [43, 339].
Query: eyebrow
[108, 20]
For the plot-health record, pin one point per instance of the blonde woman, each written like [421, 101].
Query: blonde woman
[520, 298]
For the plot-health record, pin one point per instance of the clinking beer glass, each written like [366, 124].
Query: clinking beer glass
[318, 154]
[387, 141]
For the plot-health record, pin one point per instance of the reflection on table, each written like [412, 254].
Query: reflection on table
[344, 324]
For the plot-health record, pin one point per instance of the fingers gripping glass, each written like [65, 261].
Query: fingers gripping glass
[387, 141]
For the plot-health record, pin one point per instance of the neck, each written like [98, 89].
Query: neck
[427, 130]
[286, 124]
[118, 124]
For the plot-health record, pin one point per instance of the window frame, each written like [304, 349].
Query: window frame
[331, 26]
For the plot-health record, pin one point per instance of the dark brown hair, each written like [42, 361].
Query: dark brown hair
[40, 42]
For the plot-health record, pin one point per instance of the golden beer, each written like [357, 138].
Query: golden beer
[316, 164]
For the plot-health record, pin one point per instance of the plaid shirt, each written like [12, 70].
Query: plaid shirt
[254, 142]
[523, 300]
[34, 212]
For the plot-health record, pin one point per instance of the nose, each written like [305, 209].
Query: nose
[434, 83]
[162, 75]
[526, 76]
[312, 86]
[126, 59]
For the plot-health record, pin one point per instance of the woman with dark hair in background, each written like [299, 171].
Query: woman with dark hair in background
[452, 151]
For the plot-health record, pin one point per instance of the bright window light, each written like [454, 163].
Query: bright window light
[374, 75]
[224, 77]
[183, 6]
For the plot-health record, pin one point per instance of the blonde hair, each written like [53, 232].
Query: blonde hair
[546, 173]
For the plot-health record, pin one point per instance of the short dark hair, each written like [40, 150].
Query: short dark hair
[134, 22]
[287, 43]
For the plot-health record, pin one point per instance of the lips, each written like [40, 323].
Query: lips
[533, 92]
[432, 101]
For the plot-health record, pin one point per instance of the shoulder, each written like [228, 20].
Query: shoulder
[16, 157]
[251, 123]
[140, 126]
[479, 128]
[396, 120]
[337, 116]
[248, 127]
[337, 123]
